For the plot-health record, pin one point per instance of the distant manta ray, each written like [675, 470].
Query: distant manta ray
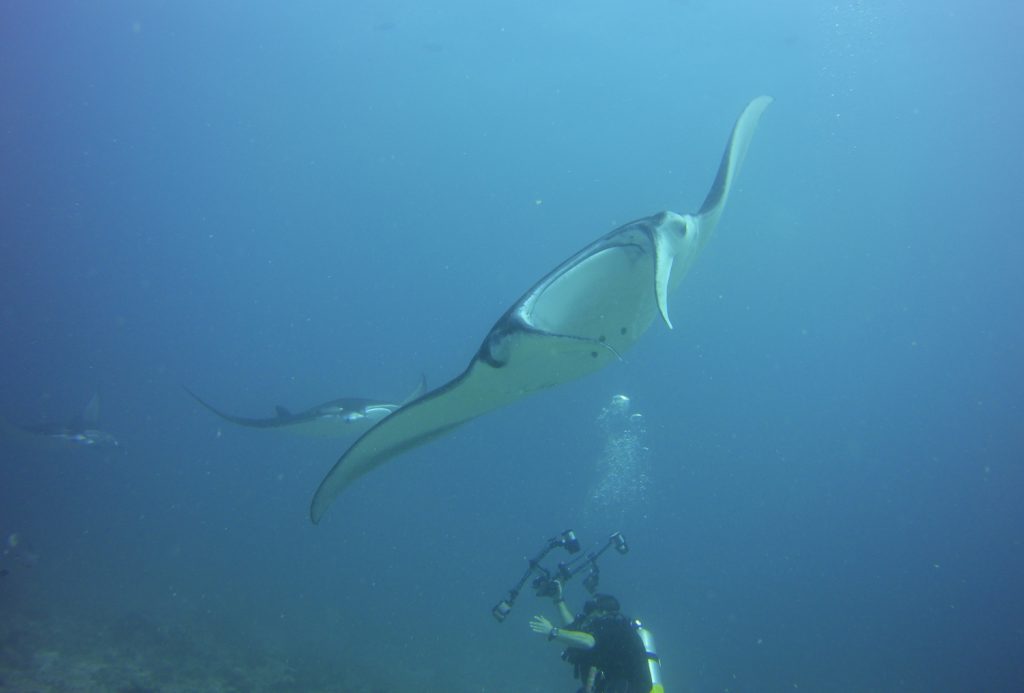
[81, 432]
[579, 318]
[335, 419]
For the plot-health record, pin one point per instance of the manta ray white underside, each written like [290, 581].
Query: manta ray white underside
[579, 318]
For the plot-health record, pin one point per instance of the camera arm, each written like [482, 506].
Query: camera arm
[566, 539]
[566, 571]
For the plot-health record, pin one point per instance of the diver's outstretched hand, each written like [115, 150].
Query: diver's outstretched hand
[539, 624]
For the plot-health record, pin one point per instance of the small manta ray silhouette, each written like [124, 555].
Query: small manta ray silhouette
[81, 432]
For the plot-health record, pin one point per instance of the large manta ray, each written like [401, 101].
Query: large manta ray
[579, 318]
[81, 432]
[338, 418]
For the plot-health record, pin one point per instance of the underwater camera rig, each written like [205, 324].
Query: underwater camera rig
[546, 582]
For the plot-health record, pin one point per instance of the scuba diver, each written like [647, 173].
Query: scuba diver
[605, 647]
[611, 652]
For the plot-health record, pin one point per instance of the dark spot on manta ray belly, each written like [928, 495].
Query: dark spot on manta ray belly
[602, 338]
[622, 330]
[593, 354]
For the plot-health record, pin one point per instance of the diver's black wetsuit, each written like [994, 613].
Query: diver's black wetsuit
[618, 652]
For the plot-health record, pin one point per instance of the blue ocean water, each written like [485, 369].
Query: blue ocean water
[285, 203]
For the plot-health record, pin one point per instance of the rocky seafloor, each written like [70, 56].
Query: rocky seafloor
[43, 652]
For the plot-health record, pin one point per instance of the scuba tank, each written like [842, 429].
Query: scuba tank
[651, 652]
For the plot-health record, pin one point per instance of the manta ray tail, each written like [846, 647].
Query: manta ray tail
[240, 420]
[421, 389]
